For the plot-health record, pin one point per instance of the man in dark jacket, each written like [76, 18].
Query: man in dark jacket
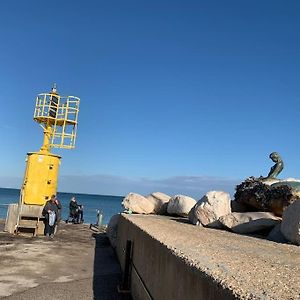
[76, 212]
[50, 211]
[73, 206]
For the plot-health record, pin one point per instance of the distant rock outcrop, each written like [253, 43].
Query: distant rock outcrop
[180, 205]
[209, 208]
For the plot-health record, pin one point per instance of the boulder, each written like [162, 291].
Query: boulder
[290, 226]
[276, 235]
[112, 230]
[210, 208]
[239, 207]
[267, 195]
[137, 203]
[160, 202]
[180, 205]
[249, 222]
[192, 216]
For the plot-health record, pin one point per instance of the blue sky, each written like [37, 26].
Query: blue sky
[176, 96]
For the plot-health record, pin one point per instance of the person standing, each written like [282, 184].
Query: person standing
[58, 218]
[50, 212]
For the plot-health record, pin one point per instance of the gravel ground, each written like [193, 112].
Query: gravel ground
[251, 267]
[76, 264]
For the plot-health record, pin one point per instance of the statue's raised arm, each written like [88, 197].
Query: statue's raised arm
[278, 167]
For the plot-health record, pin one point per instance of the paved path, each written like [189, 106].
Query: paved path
[76, 264]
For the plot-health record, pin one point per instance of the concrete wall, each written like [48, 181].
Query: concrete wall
[16, 209]
[157, 273]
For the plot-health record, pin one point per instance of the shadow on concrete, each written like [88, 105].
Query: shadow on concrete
[181, 220]
[262, 234]
[107, 272]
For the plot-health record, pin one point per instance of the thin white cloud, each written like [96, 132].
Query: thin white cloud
[194, 186]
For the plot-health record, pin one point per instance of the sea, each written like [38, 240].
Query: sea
[108, 205]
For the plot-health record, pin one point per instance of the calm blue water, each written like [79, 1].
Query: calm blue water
[109, 205]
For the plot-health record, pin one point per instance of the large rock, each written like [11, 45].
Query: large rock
[267, 195]
[239, 207]
[249, 222]
[276, 235]
[290, 226]
[112, 230]
[160, 202]
[180, 205]
[210, 208]
[137, 203]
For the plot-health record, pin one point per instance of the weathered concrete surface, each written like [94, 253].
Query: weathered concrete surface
[177, 260]
[76, 264]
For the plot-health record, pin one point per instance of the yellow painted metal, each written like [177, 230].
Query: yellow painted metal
[40, 179]
[58, 116]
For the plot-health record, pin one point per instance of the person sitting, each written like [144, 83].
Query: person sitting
[76, 212]
[73, 210]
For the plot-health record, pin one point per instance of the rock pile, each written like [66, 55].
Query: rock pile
[257, 209]
[266, 196]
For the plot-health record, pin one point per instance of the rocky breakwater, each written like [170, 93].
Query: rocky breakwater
[214, 210]
[267, 194]
[268, 209]
[280, 197]
[155, 203]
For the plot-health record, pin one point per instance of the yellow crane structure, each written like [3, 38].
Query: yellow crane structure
[58, 116]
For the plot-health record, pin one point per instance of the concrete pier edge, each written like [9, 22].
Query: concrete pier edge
[175, 260]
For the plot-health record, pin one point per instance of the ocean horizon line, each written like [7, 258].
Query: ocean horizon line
[74, 193]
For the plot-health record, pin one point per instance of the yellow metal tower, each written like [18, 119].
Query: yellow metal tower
[58, 117]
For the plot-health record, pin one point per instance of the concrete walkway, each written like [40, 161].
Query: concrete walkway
[76, 264]
[188, 259]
